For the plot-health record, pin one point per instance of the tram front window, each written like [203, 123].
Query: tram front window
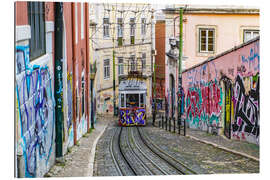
[132, 100]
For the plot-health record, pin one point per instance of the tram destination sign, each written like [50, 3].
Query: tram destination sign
[132, 85]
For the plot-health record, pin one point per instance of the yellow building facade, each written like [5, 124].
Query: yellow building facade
[120, 37]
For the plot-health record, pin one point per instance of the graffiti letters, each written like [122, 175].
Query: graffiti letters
[132, 116]
[69, 100]
[204, 105]
[246, 109]
[253, 59]
[36, 111]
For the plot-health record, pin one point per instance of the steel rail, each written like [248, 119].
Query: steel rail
[123, 154]
[144, 154]
[186, 170]
[136, 155]
[116, 163]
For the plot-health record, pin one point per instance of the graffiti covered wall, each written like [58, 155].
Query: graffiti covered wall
[69, 123]
[222, 94]
[105, 102]
[35, 114]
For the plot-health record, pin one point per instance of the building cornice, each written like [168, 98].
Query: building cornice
[215, 10]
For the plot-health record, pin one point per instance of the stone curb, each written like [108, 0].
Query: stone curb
[93, 151]
[224, 148]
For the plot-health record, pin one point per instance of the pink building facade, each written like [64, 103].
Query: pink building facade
[211, 30]
[222, 93]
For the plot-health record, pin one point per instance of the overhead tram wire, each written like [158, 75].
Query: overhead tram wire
[101, 25]
[140, 12]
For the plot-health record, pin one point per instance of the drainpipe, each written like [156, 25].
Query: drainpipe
[74, 55]
[58, 82]
[86, 15]
[174, 19]
[114, 104]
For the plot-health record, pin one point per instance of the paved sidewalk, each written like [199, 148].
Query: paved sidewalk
[235, 146]
[243, 148]
[79, 162]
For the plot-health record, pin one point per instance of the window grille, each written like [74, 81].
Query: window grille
[36, 19]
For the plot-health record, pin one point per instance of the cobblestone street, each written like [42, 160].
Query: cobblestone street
[200, 157]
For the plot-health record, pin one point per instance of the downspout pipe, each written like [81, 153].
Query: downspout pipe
[86, 26]
[58, 77]
[74, 55]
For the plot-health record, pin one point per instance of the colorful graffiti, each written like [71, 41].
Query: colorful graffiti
[159, 103]
[70, 111]
[203, 105]
[228, 106]
[253, 59]
[181, 99]
[246, 113]
[197, 76]
[224, 93]
[36, 112]
[132, 116]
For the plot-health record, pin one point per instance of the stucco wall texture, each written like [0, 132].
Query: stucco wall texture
[222, 93]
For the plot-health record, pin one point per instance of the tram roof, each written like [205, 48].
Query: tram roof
[130, 85]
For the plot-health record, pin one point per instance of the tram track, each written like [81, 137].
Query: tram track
[121, 163]
[175, 163]
[160, 167]
[136, 158]
[133, 153]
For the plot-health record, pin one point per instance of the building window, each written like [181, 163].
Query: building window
[132, 30]
[143, 60]
[120, 31]
[120, 66]
[37, 22]
[106, 27]
[106, 69]
[143, 26]
[207, 39]
[132, 63]
[250, 34]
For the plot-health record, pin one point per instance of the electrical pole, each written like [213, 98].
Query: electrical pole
[114, 105]
[153, 74]
[180, 68]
